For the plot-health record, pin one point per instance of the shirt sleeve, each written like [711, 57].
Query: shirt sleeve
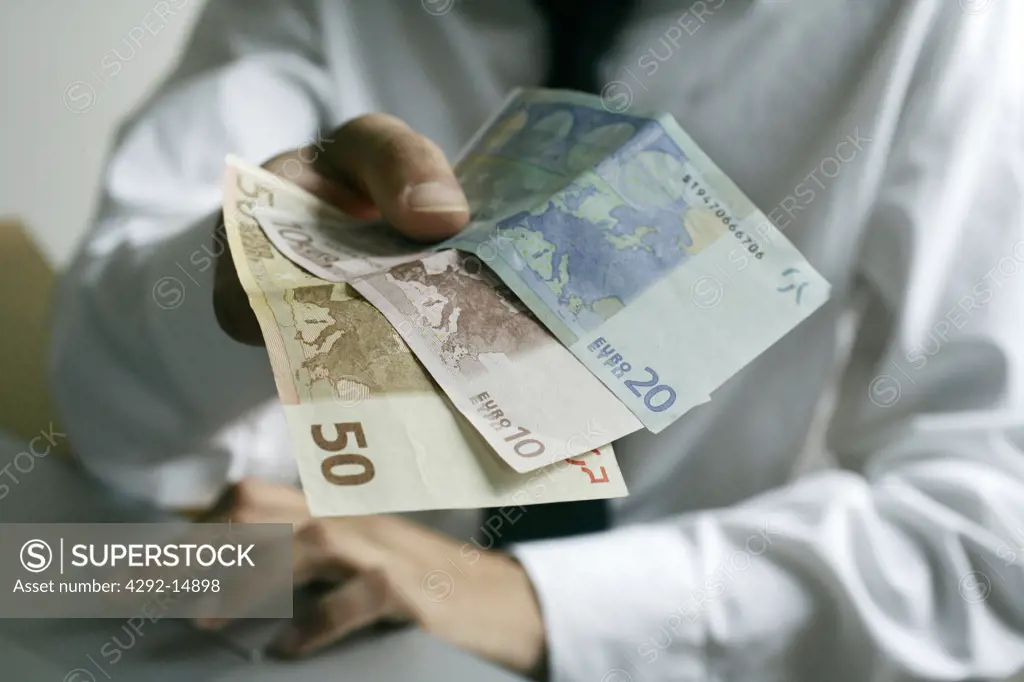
[153, 395]
[908, 564]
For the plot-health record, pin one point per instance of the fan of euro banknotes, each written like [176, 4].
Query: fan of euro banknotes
[610, 279]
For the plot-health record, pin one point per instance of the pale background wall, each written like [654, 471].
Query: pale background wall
[64, 90]
[70, 71]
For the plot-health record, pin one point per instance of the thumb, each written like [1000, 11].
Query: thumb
[402, 173]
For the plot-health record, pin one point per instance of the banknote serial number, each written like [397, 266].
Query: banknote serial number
[657, 397]
[720, 212]
[343, 468]
[523, 445]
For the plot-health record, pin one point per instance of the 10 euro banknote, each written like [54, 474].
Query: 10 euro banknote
[371, 432]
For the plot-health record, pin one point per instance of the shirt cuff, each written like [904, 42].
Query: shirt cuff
[608, 599]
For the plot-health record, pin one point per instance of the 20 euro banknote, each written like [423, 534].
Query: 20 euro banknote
[631, 246]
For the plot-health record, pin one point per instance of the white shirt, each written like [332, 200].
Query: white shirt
[884, 139]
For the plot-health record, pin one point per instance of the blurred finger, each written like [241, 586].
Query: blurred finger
[316, 558]
[323, 551]
[255, 501]
[246, 502]
[362, 601]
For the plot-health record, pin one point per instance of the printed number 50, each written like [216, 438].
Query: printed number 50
[588, 471]
[340, 442]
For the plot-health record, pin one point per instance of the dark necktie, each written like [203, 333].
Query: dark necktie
[579, 33]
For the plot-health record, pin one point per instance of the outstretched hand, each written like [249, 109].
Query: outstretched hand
[374, 166]
[389, 569]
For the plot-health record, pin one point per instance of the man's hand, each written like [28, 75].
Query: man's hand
[389, 569]
[374, 166]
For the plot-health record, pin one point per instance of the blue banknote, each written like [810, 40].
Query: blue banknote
[631, 246]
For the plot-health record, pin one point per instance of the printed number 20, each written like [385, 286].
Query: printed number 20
[649, 396]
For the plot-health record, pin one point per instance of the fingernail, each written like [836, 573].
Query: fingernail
[435, 197]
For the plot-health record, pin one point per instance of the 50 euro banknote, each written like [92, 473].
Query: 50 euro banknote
[370, 431]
